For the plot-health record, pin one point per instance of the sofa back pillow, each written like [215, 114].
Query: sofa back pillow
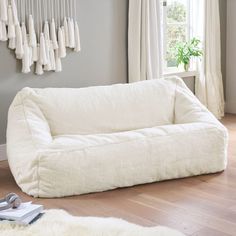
[106, 109]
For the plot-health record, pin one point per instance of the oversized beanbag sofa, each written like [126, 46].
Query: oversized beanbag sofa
[63, 141]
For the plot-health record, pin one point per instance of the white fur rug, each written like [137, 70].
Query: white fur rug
[60, 223]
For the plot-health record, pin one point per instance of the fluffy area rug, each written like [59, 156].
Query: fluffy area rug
[60, 223]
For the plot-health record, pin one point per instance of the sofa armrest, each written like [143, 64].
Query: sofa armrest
[188, 109]
[28, 133]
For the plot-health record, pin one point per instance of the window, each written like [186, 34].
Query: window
[176, 28]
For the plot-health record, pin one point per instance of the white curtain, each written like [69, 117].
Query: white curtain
[206, 26]
[144, 40]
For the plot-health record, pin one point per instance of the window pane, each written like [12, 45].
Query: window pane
[175, 34]
[177, 11]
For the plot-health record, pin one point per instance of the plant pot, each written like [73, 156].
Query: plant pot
[186, 67]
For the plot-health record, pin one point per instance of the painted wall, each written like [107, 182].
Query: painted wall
[103, 59]
[231, 58]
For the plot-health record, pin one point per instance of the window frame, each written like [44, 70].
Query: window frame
[165, 24]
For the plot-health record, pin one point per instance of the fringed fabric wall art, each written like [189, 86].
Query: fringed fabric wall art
[40, 31]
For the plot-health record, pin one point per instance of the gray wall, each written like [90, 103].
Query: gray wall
[231, 58]
[103, 59]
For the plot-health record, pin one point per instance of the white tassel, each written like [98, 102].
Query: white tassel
[57, 61]
[53, 34]
[47, 38]
[12, 43]
[35, 57]
[30, 52]
[14, 11]
[11, 26]
[63, 35]
[61, 43]
[24, 33]
[77, 38]
[47, 48]
[19, 43]
[52, 57]
[66, 33]
[43, 60]
[71, 33]
[47, 67]
[3, 10]
[39, 66]
[0, 30]
[32, 35]
[46, 31]
[4, 32]
[31, 56]
[26, 59]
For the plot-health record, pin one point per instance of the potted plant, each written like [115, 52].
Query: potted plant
[185, 51]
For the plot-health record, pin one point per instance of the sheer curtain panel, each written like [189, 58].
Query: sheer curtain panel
[144, 43]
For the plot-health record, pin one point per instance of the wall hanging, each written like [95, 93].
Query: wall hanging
[39, 31]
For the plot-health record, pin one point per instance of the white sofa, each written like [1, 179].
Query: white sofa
[63, 141]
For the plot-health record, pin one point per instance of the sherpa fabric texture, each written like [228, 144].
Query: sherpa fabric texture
[60, 223]
[63, 141]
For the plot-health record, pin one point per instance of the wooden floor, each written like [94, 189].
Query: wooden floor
[204, 205]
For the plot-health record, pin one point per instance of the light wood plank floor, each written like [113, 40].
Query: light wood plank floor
[198, 206]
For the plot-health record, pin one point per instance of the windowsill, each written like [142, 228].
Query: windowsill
[182, 74]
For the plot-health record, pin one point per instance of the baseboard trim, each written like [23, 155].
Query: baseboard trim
[3, 152]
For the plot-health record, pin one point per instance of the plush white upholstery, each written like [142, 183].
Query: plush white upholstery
[65, 141]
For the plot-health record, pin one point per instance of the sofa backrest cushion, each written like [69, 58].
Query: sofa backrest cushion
[106, 109]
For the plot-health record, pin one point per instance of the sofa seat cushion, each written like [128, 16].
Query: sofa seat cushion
[91, 163]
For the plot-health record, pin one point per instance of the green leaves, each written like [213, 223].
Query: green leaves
[186, 50]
